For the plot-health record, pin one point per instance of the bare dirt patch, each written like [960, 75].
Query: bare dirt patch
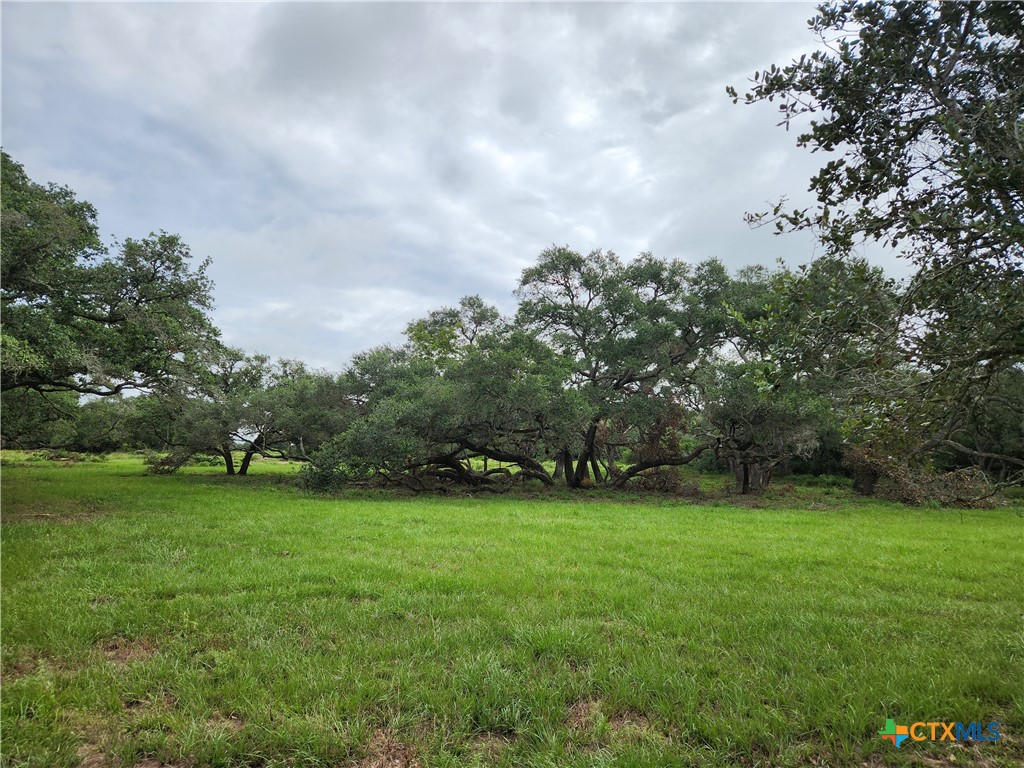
[123, 651]
[488, 744]
[69, 511]
[91, 756]
[230, 723]
[385, 751]
[583, 713]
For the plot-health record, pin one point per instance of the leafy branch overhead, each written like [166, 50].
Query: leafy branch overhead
[923, 105]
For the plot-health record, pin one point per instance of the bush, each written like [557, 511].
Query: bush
[823, 481]
[207, 460]
[52, 454]
[326, 470]
[708, 463]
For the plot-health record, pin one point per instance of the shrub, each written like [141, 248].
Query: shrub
[326, 470]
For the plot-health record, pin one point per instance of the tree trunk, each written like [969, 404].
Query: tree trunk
[528, 465]
[760, 476]
[567, 466]
[244, 469]
[633, 471]
[753, 476]
[864, 482]
[229, 460]
[595, 468]
[742, 476]
[559, 466]
[581, 472]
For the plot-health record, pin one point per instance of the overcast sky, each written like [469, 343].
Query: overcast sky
[349, 167]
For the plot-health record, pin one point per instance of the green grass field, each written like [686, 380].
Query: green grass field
[196, 620]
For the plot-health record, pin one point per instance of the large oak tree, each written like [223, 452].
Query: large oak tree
[79, 318]
[920, 107]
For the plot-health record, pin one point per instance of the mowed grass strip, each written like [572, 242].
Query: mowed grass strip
[195, 620]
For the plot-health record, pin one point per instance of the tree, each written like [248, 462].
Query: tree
[761, 425]
[197, 414]
[30, 419]
[993, 437]
[445, 332]
[103, 425]
[924, 103]
[634, 334]
[76, 318]
[431, 409]
[238, 402]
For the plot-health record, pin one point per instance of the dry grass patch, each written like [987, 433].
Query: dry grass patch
[69, 511]
[587, 716]
[91, 756]
[630, 720]
[488, 744]
[164, 701]
[583, 714]
[16, 670]
[384, 751]
[123, 651]
[230, 723]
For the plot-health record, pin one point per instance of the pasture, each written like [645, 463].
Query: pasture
[199, 620]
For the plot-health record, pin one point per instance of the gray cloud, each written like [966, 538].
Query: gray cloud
[350, 166]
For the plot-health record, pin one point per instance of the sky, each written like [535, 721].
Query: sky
[349, 167]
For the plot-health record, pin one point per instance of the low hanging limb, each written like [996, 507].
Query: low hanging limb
[676, 461]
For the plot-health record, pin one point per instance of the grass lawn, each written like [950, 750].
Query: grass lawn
[196, 620]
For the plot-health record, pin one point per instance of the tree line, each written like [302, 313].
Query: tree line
[611, 371]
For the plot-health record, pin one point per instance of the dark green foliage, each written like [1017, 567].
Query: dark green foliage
[759, 424]
[427, 413]
[31, 419]
[993, 435]
[923, 104]
[633, 333]
[77, 318]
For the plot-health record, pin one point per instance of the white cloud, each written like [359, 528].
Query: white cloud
[350, 166]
